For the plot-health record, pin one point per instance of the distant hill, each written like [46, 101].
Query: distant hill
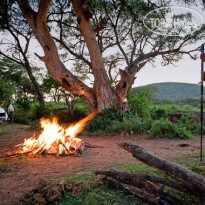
[175, 91]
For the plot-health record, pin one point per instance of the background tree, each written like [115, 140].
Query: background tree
[16, 41]
[17, 79]
[120, 33]
[58, 93]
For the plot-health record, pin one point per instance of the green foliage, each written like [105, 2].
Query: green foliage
[81, 109]
[110, 122]
[163, 128]
[189, 122]
[6, 90]
[17, 81]
[21, 119]
[34, 124]
[103, 120]
[41, 110]
[24, 103]
[139, 101]
[157, 112]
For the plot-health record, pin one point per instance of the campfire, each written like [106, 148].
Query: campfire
[55, 140]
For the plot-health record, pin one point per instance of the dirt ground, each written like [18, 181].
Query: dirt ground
[24, 175]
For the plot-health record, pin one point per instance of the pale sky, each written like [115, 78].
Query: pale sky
[187, 71]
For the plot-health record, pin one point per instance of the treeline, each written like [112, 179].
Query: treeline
[174, 91]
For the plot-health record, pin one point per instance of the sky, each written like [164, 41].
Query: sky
[186, 71]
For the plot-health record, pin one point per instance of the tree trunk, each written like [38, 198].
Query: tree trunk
[104, 94]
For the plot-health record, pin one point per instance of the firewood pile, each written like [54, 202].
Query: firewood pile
[144, 186]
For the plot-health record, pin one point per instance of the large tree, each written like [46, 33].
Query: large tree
[115, 24]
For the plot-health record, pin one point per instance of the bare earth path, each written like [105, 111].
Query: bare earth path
[14, 182]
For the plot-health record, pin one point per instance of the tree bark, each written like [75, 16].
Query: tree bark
[192, 181]
[104, 94]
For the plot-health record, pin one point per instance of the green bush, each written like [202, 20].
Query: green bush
[140, 101]
[158, 112]
[21, 119]
[24, 103]
[110, 122]
[136, 125]
[163, 128]
[103, 120]
[189, 122]
[81, 109]
[41, 110]
[34, 124]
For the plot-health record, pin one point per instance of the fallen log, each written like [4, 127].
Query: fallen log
[195, 183]
[142, 178]
[149, 196]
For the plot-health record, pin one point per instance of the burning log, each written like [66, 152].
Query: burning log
[80, 150]
[55, 138]
[141, 185]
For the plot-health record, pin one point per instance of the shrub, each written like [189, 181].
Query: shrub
[139, 101]
[41, 110]
[136, 125]
[165, 129]
[109, 121]
[158, 112]
[34, 124]
[24, 103]
[103, 120]
[81, 109]
[21, 119]
[190, 123]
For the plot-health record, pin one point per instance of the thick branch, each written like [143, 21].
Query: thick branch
[104, 94]
[43, 10]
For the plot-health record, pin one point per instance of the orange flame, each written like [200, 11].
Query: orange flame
[55, 138]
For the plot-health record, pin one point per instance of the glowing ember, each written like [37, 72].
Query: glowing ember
[54, 138]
